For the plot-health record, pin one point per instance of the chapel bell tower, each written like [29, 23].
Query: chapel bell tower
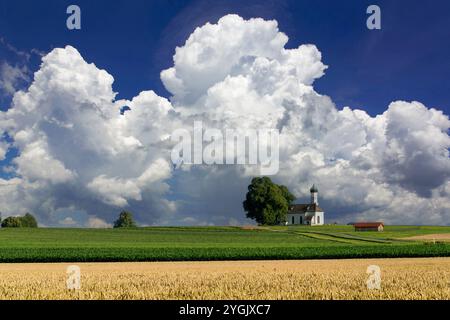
[314, 195]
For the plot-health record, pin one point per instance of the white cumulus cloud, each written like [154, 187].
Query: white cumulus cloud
[77, 151]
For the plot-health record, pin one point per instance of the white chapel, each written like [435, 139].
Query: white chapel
[307, 214]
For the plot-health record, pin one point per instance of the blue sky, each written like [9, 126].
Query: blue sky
[134, 40]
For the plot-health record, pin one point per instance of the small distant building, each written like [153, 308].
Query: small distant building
[369, 226]
[307, 214]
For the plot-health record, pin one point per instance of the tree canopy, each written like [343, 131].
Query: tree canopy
[27, 221]
[125, 220]
[266, 202]
[11, 222]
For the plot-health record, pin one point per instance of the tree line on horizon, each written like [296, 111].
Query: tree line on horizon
[125, 220]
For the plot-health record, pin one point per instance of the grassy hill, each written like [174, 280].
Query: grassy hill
[214, 243]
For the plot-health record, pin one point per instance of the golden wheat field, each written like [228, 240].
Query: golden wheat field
[314, 279]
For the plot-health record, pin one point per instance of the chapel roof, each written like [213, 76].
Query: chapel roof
[302, 208]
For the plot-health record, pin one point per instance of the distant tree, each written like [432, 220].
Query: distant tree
[12, 222]
[125, 220]
[28, 221]
[266, 202]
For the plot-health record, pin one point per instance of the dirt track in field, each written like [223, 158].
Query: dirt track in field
[431, 237]
[421, 278]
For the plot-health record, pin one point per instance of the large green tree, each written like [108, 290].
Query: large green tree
[266, 202]
[125, 220]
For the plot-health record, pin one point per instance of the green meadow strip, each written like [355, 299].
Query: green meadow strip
[15, 255]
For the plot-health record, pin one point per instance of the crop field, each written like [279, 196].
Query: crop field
[418, 278]
[216, 243]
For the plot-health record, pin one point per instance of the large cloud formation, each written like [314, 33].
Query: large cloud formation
[78, 156]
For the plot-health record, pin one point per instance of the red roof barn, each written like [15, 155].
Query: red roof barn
[369, 226]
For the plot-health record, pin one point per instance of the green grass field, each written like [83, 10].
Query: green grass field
[214, 243]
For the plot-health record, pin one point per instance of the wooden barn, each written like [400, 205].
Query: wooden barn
[369, 226]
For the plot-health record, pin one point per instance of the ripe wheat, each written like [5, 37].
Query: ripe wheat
[421, 278]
